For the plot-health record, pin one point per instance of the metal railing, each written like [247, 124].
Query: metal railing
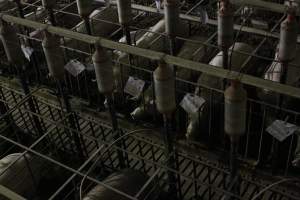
[197, 178]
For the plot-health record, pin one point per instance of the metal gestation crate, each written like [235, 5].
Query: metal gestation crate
[38, 127]
[54, 148]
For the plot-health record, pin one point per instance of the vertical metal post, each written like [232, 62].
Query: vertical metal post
[71, 119]
[51, 16]
[49, 5]
[84, 8]
[275, 143]
[234, 177]
[235, 126]
[233, 158]
[116, 130]
[126, 33]
[25, 87]
[124, 11]
[8, 119]
[87, 25]
[55, 61]
[225, 30]
[16, 58]
[104, 77]
[170, 155]
[173, 45]
[20, 8]
[125, 18]
[164, 85]
[286, 52]
[172, 22]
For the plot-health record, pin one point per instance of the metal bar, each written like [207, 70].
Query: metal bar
[194, 7]
[79, 169]
[10, 194]
[23, 154]
[147, 183]
[67, 168]
[3, 109]
[257, 3]
[200, 67]
[71, 119]
[116, 130]
[265, 5]
[211, 21]
[17, 106]
[196, 18]
[262, 42]
[23, 81]
[170, 157]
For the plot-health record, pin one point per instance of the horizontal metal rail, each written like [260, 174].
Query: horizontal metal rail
[213, 22]
[158, 56]
[265, 5]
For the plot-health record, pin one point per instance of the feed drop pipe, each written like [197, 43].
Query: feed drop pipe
[190, 51]
[225, 30]
[49, 5]
[124, 10]
[16, 59]
[145, 42]
[164, 87]
[198, 124]
[286, 53]
[172, 23]
[84, 10]
[105, 81]
[55, 63]
[158, 56]
[287, 45]
[235, 124]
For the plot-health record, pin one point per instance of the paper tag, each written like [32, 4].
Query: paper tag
[74, 67]
[134, 86]
[191, 103]
[281, 130]
[27, 51]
